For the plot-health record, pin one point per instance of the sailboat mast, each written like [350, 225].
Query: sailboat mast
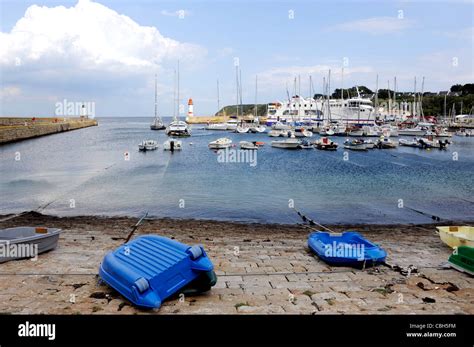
[177, 101]
[218, 100]
[237, 90]
[421, 98]
[174, 94]
[414, 99]
[377, 93]
[156, 101]
[342, 83]
[256, 84]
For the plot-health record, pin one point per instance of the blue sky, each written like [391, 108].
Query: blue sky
[45, 58]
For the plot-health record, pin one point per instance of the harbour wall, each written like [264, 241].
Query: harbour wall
[17, 128]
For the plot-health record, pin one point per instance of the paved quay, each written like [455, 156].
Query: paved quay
[262, 269]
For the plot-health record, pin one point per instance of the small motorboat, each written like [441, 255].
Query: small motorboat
[462, 260]
[26, 242]
[151, 268]
[455, 236]
[242, 128]
[355, 145]
[385, 143]
[302, 132]
[305, 144]
[148, 145]
[172, 145]
[217, 126]
[356, 132]
[257, 128]
[464, 132]
[410, 143]
[221, 143]
[290, 143]
[348, 248]
[432, 143]
[278, 133]
[248, 145]
[325, 144]
[369, 144]
[281, 126]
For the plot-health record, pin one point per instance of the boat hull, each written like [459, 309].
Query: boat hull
[27, 236]
[456, 236]
[346, 249]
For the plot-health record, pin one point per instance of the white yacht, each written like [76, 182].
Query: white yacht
[178, 128]
[356, 110]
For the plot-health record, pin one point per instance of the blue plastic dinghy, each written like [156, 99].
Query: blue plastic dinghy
[348, 248]
[151, 268]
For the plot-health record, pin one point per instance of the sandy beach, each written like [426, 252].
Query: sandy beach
[261, 268]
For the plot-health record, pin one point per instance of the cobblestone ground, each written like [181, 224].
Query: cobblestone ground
[262, 269]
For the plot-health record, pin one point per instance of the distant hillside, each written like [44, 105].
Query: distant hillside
[231, 110]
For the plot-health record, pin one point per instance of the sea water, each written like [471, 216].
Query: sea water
[99, 171]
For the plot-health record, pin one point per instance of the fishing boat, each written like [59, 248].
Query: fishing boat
[157, 123]
[27, 242]
[355, 145]
[220, 143]
[325, 144]
[248, 145]
[148, 145]
[172, 145]
[290, 143]
[348, 249]
[385, 143]
[455, 236]
[305, 144]
[462, 259]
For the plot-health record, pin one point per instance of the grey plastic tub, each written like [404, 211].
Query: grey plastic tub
[26, 242]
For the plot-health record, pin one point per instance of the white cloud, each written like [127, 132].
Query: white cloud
[10, 91]
[177, 13]
[89, 36]
[375, 25]
[281, 75]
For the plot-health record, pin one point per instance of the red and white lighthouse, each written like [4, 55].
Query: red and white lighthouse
[190, 108]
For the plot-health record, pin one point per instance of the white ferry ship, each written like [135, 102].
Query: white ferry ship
[299, 110]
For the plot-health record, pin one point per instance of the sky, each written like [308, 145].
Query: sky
[108, 52]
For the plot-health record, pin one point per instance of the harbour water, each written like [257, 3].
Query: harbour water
[87, 172]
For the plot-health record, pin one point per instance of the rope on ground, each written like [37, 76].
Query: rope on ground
[310, 221]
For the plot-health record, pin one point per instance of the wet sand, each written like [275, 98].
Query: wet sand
[261, 268]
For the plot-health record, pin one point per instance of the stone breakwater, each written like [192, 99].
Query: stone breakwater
[17, 129]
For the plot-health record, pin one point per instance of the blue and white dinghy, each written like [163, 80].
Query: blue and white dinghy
[348, 248]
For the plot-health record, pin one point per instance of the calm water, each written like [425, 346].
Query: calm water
[84, 172]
